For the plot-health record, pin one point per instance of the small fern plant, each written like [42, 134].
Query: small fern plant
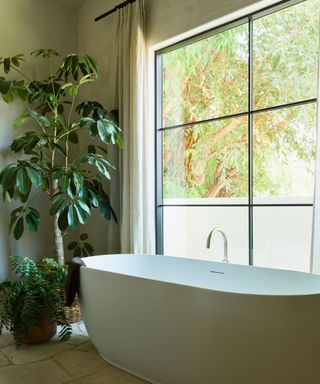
[36, 291]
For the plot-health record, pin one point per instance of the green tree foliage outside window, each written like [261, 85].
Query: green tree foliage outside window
[209, 79]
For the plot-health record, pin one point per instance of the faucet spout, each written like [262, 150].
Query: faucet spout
[225, 242]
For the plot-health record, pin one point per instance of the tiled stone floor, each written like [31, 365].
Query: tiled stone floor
[73, 362]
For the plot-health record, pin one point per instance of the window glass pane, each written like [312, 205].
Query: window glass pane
[206, 79]
[205, 165]
[206, 160]
[284, 155]
[280, 242]
[285, 55]
[186, 230]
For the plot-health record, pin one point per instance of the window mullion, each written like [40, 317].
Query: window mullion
[250, 138]
[158, 150]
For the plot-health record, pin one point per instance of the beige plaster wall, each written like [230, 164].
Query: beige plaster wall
[96, 39]
[168, 18]
[26, 25]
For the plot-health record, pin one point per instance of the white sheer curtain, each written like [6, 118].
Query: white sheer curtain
[137, 224]
[315, 252]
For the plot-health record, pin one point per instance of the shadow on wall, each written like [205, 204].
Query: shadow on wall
[4, 239]
[7, 115]
[34, 245]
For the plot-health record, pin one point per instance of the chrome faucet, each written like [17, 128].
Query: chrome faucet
[225, 242]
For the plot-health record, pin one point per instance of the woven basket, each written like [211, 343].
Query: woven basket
[72, 313]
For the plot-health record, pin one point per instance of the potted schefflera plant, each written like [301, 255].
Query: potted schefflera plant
[75, 182]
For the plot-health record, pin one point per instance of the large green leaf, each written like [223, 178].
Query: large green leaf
[73, 90]
[102, 131]
[103, 170]
[8, 97]
[45, 121]
[91, 149]
[34, 175]
[73, 220]
[78, 180]
[72, 190]
[26, 142]
[63, 219]
[32, 223]
[4, 86]
[94, 198]
[60, 149]
[90, 124]
[84, 206]
[83, 194]
[18, 229]
[101, 158]
[6, 65]
[57, 203]
[91, 65]
[104, 210]
[119, 141]
[73, 138]
[45, 53]
[25, 196]
[15, 214]
[81, 214]
[8, 176]
[23, 182]
[64, 183]
[20, 120]
[35, 214]
[15, 61]
[86, 79]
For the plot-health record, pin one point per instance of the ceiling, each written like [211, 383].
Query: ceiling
[74, 4]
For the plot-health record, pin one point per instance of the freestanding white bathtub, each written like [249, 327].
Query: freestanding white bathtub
[181, 321]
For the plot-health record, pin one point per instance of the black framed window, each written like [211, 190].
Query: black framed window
[235, 142]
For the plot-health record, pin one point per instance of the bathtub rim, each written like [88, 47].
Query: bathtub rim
[220, 291]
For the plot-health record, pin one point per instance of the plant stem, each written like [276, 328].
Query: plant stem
[67, 153]
[70, 112]
[21, 73]
[30, 110]
[71, 130]
[57, 240]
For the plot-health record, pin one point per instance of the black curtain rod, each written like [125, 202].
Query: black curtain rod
[121, 5]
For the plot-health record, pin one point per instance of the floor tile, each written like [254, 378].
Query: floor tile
[73, 362]
[46, 372]
[3, 360]
[78, 363]
[87, 347]
[31, 353]
[111, 375]
[6, 339]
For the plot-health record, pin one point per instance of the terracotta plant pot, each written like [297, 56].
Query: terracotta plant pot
[42, 332]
